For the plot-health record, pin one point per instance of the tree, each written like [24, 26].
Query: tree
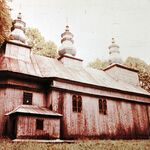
[49, 50]
[131, 62]
[99, 64]
[144, 71]
[39, 45]
[5, 21]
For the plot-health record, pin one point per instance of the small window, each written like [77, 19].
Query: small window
[76, 103]
[39, 124]
[27, 98]
[103, 106]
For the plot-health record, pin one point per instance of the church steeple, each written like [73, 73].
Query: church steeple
[114, 53]
[67, 47]
[18, 30]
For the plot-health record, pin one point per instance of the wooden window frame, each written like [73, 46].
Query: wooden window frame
[100, 102]
[27, 98]
[102, 106]
[79, 104]
[76, 103]
[39, 124]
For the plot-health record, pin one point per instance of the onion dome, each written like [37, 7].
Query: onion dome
[67, 47]
[18, 30]
[114, 53]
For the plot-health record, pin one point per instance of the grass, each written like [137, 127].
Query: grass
[78, 145]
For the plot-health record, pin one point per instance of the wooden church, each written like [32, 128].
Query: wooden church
[45, 98]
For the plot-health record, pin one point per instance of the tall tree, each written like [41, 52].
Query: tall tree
[5, 21]
[39, 45]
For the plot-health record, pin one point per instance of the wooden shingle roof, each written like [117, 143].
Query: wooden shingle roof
[32, 109]
[42, 67]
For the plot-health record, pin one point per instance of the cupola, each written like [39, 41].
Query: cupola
[18, 30]
[67, 47]
[67, 52]
[16, 47]
[114, 53]
[117, 70]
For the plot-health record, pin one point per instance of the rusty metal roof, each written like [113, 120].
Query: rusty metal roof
[47, 67]
[32, 109]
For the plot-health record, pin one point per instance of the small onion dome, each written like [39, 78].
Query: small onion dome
[18, 30]
[113, 44]
[67, 43]
[66, 32]
[114, 53]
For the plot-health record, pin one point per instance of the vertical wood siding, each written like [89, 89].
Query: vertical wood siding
[123, 119]
[26, 128]
[11, 98]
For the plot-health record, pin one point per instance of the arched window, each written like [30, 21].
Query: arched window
[103, 106]
[74, 103]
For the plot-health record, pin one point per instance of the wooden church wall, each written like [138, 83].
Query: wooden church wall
[123, 119]
[26, 128]
[11, 98]
[55, 101]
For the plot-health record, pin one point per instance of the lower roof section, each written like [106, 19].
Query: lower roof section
[33, 109]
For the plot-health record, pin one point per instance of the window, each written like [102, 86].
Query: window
[39, 124]
[27, 98]
[103, 106]
[100, 106]
[76, 103]
[79, 103]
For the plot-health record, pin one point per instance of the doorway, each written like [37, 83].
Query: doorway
[13, 127]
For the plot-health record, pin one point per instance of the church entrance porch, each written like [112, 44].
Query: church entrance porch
[32, 122]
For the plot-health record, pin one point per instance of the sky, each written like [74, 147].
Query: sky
[94, 23]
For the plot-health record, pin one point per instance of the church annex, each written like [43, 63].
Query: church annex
[44, 98]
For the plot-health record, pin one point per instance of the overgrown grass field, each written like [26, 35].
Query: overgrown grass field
[78, 145]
